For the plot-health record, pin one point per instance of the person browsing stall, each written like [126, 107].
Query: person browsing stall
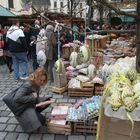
[26, 103]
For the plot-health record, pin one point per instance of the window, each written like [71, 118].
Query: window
[11, 3]
[68, 4]
[61, 4]
[55, 4]
[81, 6]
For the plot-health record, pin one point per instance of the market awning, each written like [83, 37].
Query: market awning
[127, 19]
[4, 12]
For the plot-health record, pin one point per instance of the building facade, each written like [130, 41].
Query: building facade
[16, 6]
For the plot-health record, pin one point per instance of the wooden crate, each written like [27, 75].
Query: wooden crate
[87, 127]
[95, 47]
[59, 129]
[98, 89]
[86, 90]
[97, 44]
[97, 60]
[103, 42]
[67, 52]
[59, 90]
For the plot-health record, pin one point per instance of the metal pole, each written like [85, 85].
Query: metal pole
[85, 24]
[58, 34]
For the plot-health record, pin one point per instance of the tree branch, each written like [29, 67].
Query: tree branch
[118, 11]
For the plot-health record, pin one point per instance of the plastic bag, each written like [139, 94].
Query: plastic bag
[41, 58]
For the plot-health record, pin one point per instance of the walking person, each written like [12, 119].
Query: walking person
[33, 52]
[50, 51]
[18, 48]
[6, 52]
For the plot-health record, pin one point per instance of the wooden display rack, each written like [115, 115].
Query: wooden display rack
[59, 129]
[59, 90]
[86, 90]
[88, 127]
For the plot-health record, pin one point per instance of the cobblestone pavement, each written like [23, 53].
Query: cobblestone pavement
[10, 128]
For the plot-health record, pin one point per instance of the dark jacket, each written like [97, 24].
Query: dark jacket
[16, 39]
[25, 101]
[34, 31]
[18, 47]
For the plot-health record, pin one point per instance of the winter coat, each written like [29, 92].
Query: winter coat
[50, 51]
[16, 39]
[25, 101]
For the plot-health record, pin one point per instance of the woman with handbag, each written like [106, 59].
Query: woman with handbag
[26, 104]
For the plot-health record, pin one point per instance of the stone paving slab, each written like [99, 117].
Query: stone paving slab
[76, 137]
[2, 135]
[23, 136]
[9, 126]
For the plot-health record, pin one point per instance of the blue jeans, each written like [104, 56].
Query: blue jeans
[19, 59]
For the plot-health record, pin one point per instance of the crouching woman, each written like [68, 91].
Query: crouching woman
[26, 103]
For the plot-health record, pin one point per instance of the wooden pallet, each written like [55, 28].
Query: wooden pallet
[60, 129]
[85, 91]
[88, 127]
[59, 90]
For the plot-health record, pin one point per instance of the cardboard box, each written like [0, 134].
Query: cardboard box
[116, 129]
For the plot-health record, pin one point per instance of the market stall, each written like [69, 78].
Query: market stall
[99, 66]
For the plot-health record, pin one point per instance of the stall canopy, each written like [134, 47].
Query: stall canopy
[127, 19]
[4, 12]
